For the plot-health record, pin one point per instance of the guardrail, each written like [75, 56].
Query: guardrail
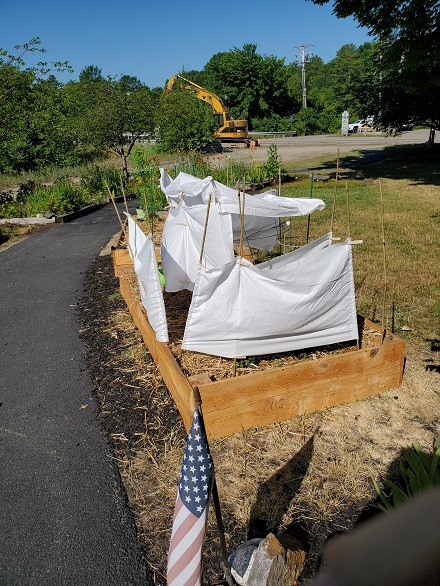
[281, 134]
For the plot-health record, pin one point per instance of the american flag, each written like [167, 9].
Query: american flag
[190, 513]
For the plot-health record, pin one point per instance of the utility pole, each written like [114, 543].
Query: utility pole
[304, 55]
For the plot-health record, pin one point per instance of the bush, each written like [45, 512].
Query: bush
[33, 199]
[94, 179]
[419, 471]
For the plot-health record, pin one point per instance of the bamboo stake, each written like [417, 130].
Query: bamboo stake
[384, 260]
[216, 501]
[241, 210]
[119, 217]
[279, 180]
[334, 194]
[205, 229]
[123, 194]
[348, 210]
[312, 178]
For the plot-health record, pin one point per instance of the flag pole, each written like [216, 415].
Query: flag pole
[216, 500]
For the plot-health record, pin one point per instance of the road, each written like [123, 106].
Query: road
[297, 148]
[64, 520]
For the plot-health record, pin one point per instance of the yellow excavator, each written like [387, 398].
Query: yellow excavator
[228, 130]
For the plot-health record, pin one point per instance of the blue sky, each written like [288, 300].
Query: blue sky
[155, 40]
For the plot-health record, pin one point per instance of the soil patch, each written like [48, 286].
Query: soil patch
[10, 235]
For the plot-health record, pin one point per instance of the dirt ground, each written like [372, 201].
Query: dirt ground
[310, 476]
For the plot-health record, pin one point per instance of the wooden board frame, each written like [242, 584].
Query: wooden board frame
[274, 395]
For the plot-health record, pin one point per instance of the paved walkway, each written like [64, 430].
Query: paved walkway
[64, 519]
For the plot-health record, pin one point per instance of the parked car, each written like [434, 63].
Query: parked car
[355, 126]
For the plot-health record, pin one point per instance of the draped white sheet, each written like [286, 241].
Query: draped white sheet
[147, 271]
[261, 221]
[300, 300]
[182, 240]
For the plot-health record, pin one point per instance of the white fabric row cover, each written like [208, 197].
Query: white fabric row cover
[141, 248]
[300, 300]
[182, 241]
[259, 231]
[188, 197]
[193, 191]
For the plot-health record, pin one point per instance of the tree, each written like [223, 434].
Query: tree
[185, 123]
[406, 57]
[31, 114]
[110, 114]
[252, 86]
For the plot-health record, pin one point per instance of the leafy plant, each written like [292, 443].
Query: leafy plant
[95, 177]
[421, 471]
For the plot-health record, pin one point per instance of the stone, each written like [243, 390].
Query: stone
[276, 562]
[240, 559]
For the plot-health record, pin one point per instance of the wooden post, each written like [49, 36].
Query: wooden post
[384, 260]
[334, 194]
[216, 501]
[117, 212]
[348, 210]
[241, 209]
[123, 194]
[312, 178]
[205, 229]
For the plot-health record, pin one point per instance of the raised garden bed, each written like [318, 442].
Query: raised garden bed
[275, 394]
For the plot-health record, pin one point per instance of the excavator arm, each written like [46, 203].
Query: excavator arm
[235, 130]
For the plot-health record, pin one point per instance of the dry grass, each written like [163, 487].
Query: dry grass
[313, 470]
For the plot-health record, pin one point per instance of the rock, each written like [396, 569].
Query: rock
[240, 559]
[49, 214]
[275, 562]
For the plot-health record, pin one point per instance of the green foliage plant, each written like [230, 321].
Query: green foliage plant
[419, 471]
[94, 179]
[146, 173]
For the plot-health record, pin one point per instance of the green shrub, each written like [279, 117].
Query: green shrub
[60, 198]
[94, 179]
[419, 471]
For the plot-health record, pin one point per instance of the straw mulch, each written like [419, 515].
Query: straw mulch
[310, 476]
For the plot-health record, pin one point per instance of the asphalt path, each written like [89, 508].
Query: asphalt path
[64, 518]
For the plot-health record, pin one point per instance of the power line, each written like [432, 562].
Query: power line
[304, 60]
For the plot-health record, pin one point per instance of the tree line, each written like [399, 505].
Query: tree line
[393, 78]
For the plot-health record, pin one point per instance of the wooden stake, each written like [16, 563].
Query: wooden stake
[205, 229]
[334, 194]
[241, 210]
[216, 501]
[234, 369]
[348, 210]
[312, 178]
[279, 181]
[123, 194]
[114, 205]
[384, 260]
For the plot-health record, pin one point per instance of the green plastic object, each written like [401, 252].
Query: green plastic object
[161, 278]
